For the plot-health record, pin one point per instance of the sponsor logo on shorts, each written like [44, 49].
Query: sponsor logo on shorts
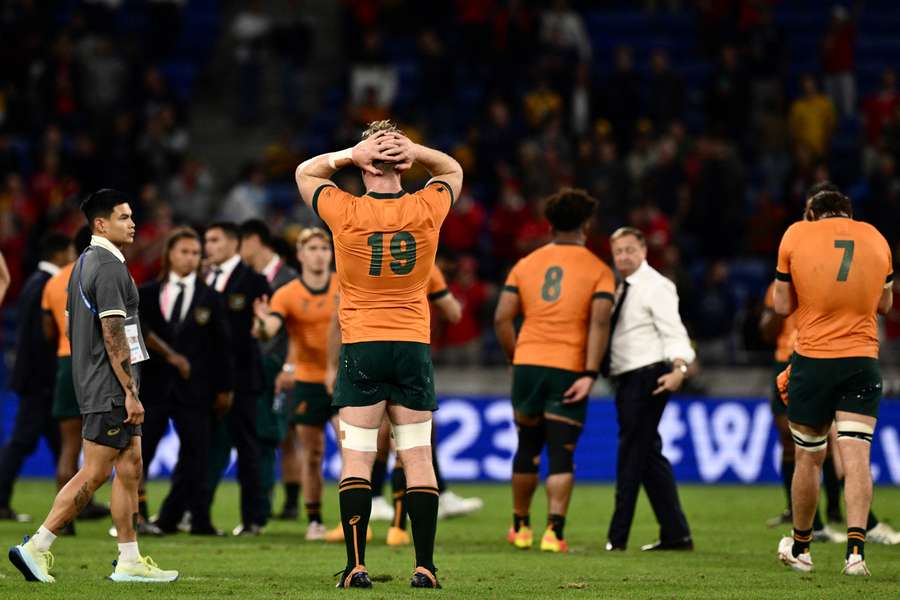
[114, 431]
[354, 520]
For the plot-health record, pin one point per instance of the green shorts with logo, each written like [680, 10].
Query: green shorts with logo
[65, 404]
[778, 407]
[272, 412]
[399, 372]
[820, 386]
[312, 404]
[538, 390]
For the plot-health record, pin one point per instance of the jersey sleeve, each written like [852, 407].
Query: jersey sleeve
[437, 285]
[606, 285]
[889, 278]
[439, 197]
[512, 280]
[769, 300]
[111, 289]
[329, 204]
[280, 304]
[783, 269]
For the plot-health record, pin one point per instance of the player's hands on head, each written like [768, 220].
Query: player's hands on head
[402, 153]
[372, 149]
[578, 392]
[134, 409]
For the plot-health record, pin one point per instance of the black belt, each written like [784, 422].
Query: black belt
[641, 370]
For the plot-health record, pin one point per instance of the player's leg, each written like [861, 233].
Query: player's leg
[832, 478]
[67, 465]
[562, 435]
[241, 423]
[26, 433]
[397, 535]
[291, 474]
[156, 421]
[810, 444]
[528, 396]
[312, 452]
[854, 444]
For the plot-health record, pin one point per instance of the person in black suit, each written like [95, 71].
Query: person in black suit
[240, 286]
[188, 377]
[33, 373]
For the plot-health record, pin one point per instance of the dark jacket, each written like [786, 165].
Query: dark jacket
[244, 286]
[35, 369]
[203, 337]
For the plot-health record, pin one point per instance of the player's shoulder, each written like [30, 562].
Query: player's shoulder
[868, 230]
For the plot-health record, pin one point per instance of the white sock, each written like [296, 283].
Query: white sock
[128, 552]
[43, 539]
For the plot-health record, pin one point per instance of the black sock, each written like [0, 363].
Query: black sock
[856, 541]
[142, 507]
[379, 474]
[521, 521]
[872, 521]
[818, 525]
[314, 512]
[832, 486]
[291, 495]
[442, 484]
[398, 486]
[557, 523]
[801, 541]
[787, 478]
[356, 506]
[422, 504]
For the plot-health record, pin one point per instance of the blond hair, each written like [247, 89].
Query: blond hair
[310, 233]
[374, 127]
[624, 231]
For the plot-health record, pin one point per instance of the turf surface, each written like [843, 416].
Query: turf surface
[735, 555]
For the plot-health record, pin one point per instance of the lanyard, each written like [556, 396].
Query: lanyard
[84, 297]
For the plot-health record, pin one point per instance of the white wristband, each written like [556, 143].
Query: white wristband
[336, 156]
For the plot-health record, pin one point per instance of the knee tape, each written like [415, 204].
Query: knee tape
[854, 430]
[561, 438]
[809, 443]
[528, 454]
[356, 438]
[412, 436]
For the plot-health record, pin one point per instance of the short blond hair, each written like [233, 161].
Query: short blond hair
[374, 127]
[625, 231]
[310, 233]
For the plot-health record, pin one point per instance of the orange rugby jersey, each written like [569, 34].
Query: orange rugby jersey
[556, 285]
[437, 284]
[307, 313]
[384, 246]
[53, 300]
[838, 268]
[787, 337]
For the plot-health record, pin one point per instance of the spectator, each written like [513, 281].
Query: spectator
[878, 108]
[884, 195]
[292, 40]
[562, 27]
[839, 60]
[462, 228]
[665, 91]
[623, 98]
[249, 31]
[105, 75]
[717, 305]
[812, 119]
[190, 192]
[247, 199]
[728, 97]
[372, 77]
[462, 340]
[437, 72]
[540, 103]
[581, 103]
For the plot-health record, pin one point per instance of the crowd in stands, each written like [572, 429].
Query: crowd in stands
[700, 123]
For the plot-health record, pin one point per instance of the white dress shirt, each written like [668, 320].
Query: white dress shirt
[272, 267]
[168, 295]
[649, 329]
[48, 267]
[226, 268]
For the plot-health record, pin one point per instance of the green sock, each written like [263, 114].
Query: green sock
[832, 486]
[291, 495]
[142, 507]
[379, 474]
[314, 512]
[356, 506]
[818, 525]
[787, 477]
[422, 504]
[856, 541]
[802, 540]
[520, 521]
[398, 486]
[558, 524]
[872, 522]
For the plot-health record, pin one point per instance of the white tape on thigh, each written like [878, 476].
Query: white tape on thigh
[358, 438]
[854, 430]
[809, 443]
[412, 436]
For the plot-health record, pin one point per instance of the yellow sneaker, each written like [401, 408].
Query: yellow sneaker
[143, 571]
[522, 539]
[33, 564]
[397, 537]
[336, 535]
[551, 543]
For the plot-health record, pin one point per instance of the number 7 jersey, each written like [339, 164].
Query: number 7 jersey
[384, 246]
[838, 268]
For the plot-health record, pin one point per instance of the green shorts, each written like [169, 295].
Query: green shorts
[778, 407]
[820, 386]
[539, 390]
[65, 405]
[312, 404]
[272, 412]
[399, 372]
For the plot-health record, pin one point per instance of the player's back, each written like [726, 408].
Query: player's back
[385, 246]
[838, 268]
[556, 285]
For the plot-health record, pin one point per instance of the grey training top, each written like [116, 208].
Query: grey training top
[100, 286]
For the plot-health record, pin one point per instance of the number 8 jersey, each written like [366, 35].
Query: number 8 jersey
[556, 285]
[384, 247]
[838, 268]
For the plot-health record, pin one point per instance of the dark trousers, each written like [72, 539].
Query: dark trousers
[33, 420]
[190, 486]
[640, 459]
[238, 430]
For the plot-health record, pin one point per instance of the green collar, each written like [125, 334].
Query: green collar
[383, 196]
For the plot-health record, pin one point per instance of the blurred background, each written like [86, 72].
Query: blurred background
[700, 122]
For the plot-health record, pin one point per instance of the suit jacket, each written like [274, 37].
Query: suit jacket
[203, 337]
[35, 369]
[244, 286]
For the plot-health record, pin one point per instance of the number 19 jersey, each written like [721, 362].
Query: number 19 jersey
[384, 246]
[838, 268]
[556, 285]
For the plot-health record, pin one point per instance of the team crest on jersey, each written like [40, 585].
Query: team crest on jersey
[202, 315]
[237, 301]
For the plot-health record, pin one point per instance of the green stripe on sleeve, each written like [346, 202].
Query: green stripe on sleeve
[783, 276]
[315, 200]
[511, 288]
[449, 189]
[605, 296]
[438, 295]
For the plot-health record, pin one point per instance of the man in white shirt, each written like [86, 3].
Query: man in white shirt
[648, 359]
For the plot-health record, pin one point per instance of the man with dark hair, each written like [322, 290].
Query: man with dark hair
[240, 287]
[106, 342]
[565, 294]
[273, 409]
[32, 374]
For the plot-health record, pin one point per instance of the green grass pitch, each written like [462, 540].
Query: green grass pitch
[735, 555]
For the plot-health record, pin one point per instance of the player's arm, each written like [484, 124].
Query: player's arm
[886, 302]
[597, 342]
[5, 278]
[770, 324]
[267, 323]
[48, 325]
[317, 171]
[441, 167]
[119, 354]
[450, 307]
[508, 308]
[785, 298]
[333, 348]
